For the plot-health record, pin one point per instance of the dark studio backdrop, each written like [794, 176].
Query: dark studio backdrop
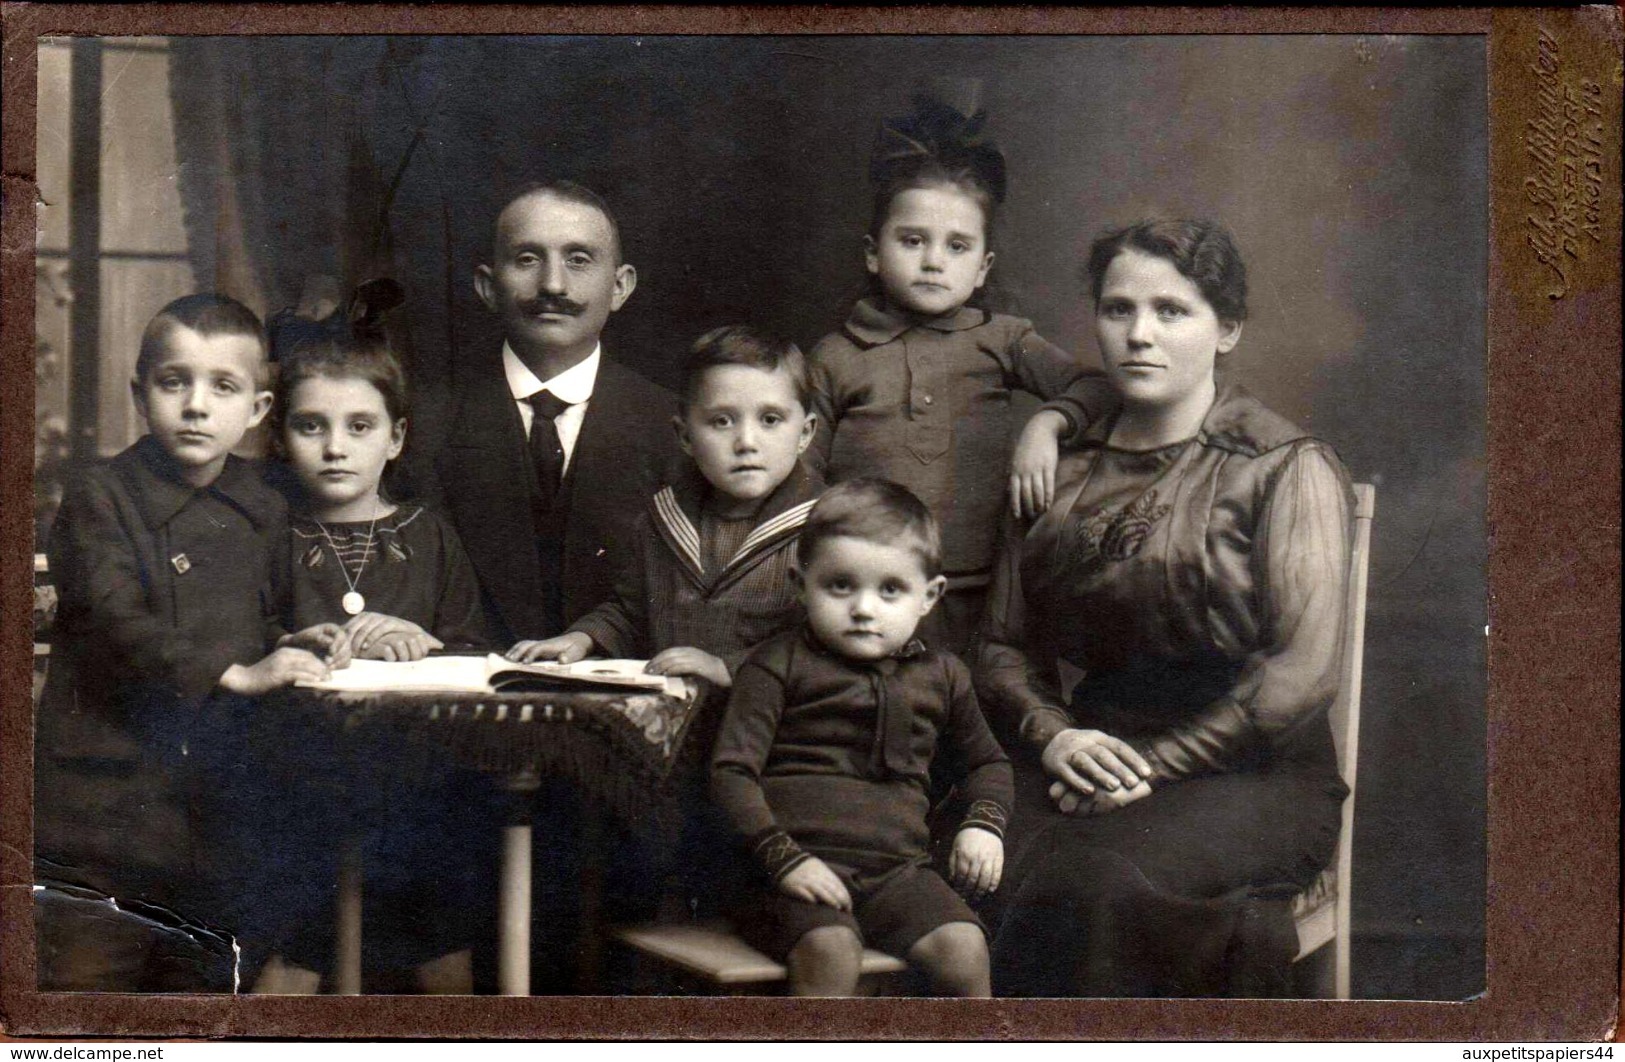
[1351, 168]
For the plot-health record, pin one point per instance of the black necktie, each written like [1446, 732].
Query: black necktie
[546, 450]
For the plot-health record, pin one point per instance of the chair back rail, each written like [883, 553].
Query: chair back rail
[1345, 721]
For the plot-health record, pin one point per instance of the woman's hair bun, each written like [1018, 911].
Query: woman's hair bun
[944, 129]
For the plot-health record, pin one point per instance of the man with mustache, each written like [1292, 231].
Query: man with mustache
[553, 454]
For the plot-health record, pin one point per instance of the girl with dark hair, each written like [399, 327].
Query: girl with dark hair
[1193, 567]
[916, 386]
[395, 575]
[396, 578]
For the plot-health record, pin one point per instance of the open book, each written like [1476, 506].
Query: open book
[492, 673]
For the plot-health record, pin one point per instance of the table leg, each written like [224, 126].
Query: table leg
[347, 932]
[513, 929]
[513, 897]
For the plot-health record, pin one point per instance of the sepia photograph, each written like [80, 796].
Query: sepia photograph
[661, 515]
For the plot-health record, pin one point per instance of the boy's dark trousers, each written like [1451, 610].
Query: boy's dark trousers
[132, 900]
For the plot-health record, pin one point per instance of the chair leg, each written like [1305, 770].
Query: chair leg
[347, 938]
[1341, 980]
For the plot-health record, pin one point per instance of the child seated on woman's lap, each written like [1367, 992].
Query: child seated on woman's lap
[823, 762]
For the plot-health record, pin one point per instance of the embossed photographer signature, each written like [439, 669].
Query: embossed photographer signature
[1564, 144]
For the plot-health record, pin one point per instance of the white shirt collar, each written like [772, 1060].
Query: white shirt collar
[573, 385]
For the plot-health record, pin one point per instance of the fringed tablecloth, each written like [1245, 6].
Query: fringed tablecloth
[619, 749]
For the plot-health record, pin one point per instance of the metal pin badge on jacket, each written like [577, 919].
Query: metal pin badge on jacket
[181, 563]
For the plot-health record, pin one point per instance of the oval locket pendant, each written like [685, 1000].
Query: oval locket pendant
[353, 603]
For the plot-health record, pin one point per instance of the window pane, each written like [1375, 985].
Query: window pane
[51, 153]
[141, 203]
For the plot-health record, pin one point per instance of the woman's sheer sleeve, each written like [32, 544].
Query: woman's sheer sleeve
[1301, 563]
[1017, 674]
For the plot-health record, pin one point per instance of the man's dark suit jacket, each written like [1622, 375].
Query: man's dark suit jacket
[483, 482]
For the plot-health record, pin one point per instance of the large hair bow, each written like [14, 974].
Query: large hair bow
[321, 317]
[945, 126]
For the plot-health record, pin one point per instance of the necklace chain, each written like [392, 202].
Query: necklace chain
[366, 550]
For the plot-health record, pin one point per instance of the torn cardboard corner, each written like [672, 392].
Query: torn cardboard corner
[89, 941]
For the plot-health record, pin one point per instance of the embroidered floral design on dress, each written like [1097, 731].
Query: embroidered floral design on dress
[1111, 535]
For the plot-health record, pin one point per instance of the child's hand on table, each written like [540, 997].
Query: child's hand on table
[328, 640]
[977, 862]
[401, 646]
[283, 667]
[564, 649]
[815, 882]
[696, 663]
[375, 636]
[1032, 466]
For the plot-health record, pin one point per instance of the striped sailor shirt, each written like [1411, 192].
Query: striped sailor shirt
[667, 595]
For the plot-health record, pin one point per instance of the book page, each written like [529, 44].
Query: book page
[607, 672]
[458, 674]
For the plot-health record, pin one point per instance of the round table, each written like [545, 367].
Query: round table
[618, 748]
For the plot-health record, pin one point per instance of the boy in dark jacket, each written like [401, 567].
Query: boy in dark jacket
[161, 558]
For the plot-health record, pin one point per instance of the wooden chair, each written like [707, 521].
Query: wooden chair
[1322, 910]
[713, 955]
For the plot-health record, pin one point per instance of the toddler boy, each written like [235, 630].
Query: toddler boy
[823, 762]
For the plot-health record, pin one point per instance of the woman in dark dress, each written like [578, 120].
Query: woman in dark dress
[1193, 569]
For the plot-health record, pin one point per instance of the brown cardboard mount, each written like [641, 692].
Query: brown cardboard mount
[1553, 917]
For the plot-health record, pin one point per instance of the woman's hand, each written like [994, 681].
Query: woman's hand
[686, 660]
[1032, 467]
[564, 649]
[977, 861]
[1087, 760]
[1071, 802]
[813, 881]
[375, 636]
